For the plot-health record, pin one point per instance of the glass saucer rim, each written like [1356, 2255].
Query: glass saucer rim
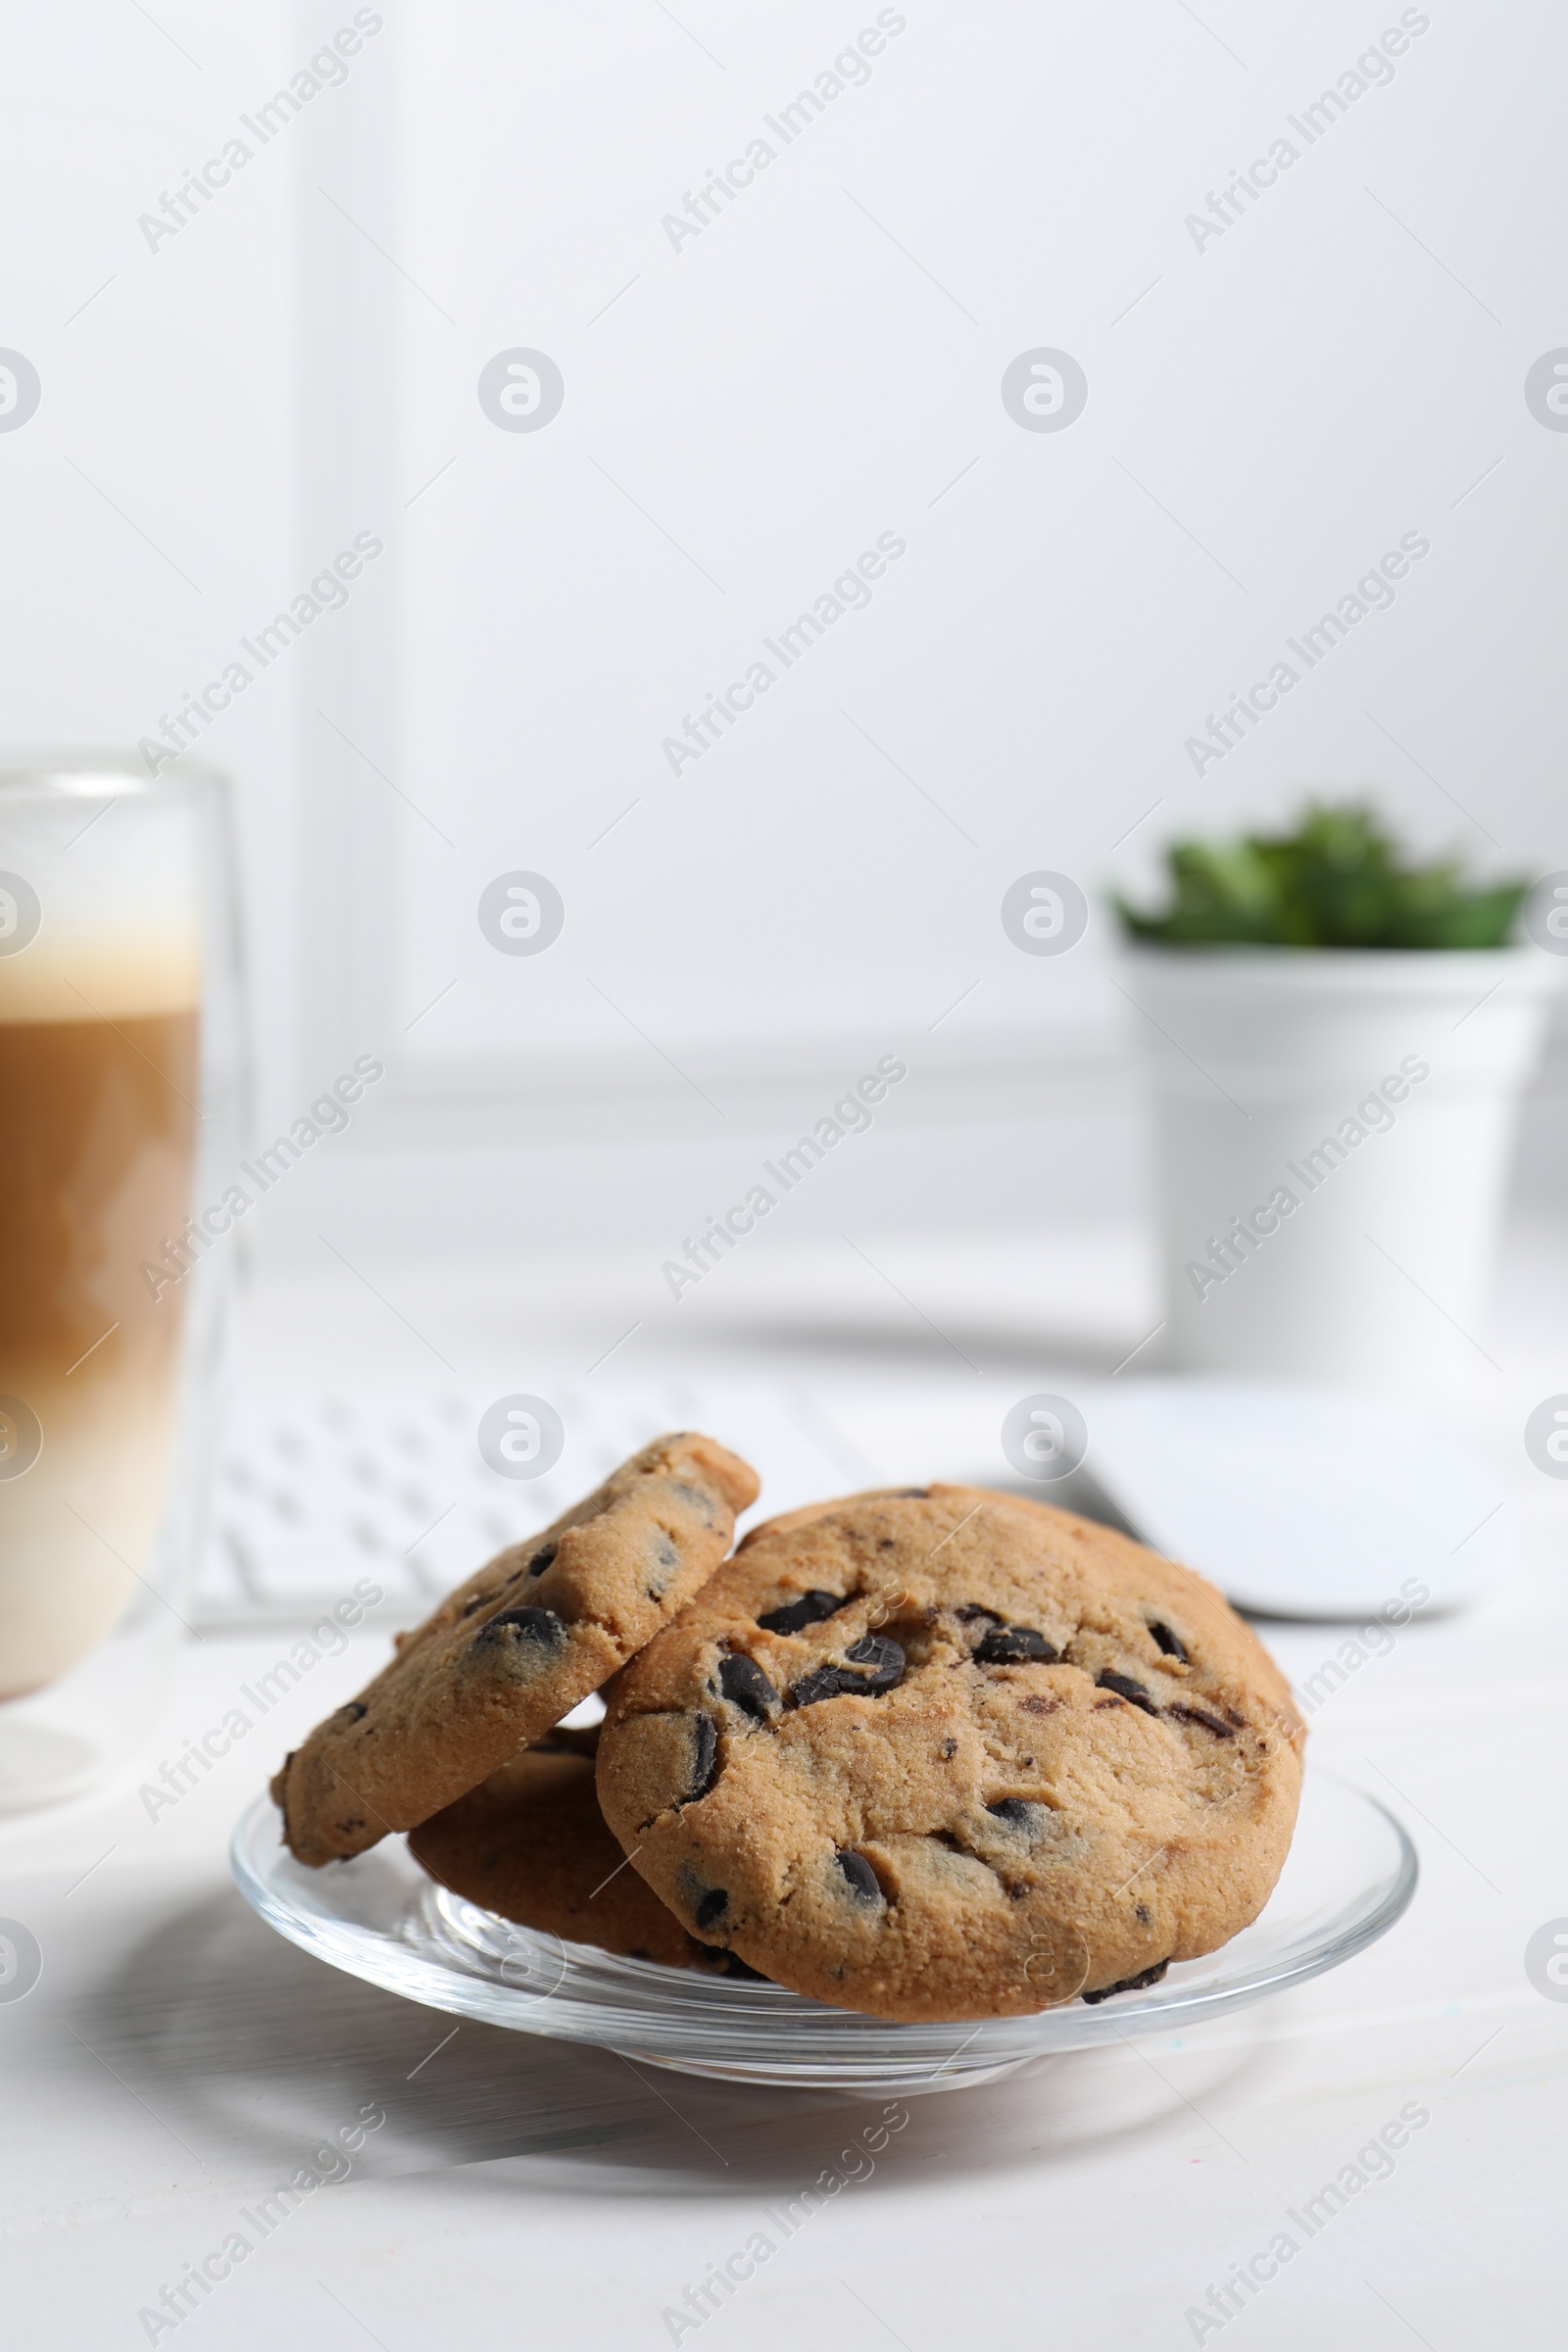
[783, 2038]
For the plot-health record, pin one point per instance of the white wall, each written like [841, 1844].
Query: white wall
[819, 366]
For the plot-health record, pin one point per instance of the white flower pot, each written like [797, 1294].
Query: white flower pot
[1332, 1133]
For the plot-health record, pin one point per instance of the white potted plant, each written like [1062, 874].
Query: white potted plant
[1336, 1041]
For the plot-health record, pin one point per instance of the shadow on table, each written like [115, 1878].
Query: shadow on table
[983, 1347]
[259, 2057]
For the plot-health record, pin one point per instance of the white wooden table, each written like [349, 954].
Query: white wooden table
[175, 2061]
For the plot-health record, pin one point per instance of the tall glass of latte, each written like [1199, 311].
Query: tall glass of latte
[120, 1106]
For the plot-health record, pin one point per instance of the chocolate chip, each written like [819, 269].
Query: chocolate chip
[746, 1687]
[1141, 1913]
[355, 1708]
[971, 1609]
[705, 1756]
[1016, 1811]
[701, 1505]
[542, 1558]
[713, 1905]
[862, 1879]
[541, 1626]
[881, 1657]
[1211, 1723]
[809, 1609]
[1125, 1688]
[479, 1601]
[1037, 1707]
[1016, 1646]
[1144, 1975]
[828, 1682]
[949, 1748]
[1171, 1644]
[666, 1557]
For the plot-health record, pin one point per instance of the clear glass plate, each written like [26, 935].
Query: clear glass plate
[1350, 1873]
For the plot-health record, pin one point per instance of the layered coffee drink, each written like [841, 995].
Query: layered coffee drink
[100, 997]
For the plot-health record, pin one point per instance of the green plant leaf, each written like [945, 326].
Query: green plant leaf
[1338, 880]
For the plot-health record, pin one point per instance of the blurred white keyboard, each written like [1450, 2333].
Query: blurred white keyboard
[1299, 1504]
[316, 1493]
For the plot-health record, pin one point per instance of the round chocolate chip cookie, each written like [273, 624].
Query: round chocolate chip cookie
[954, 1754]
[515, 1649]
[531, 1844]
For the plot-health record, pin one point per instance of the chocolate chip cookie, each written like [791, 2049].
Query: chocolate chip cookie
[515, 1649]
[949, 1753]
[531, 1844]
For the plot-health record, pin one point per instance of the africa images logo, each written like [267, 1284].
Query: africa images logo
[1045, 390]
[521, 1437]
[522, 913]
[1546, 1436]
[521, 390]
[19, 390]
[1545, 390]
